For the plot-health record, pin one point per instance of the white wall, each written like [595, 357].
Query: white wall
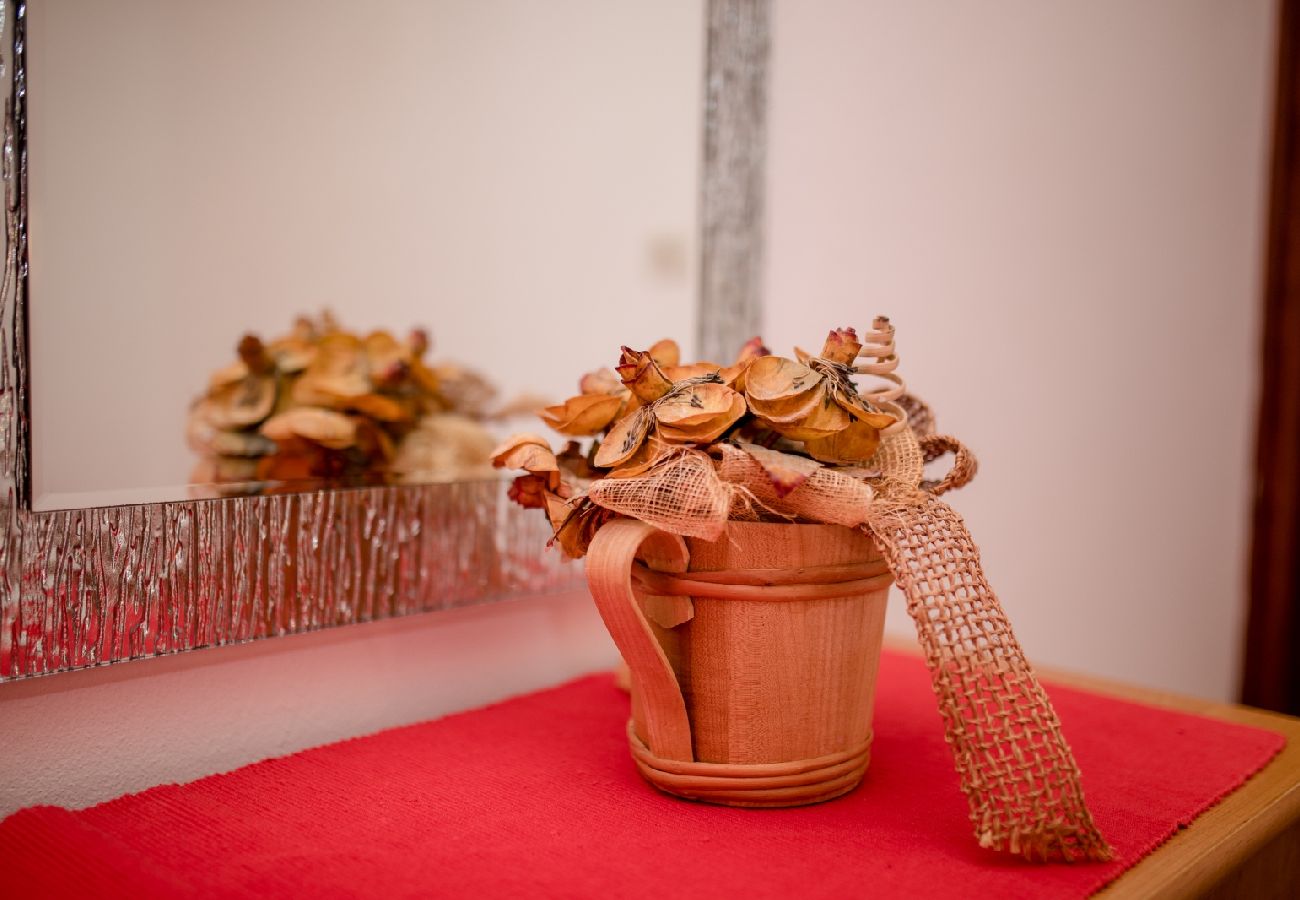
[84, 737]
[1061, 205]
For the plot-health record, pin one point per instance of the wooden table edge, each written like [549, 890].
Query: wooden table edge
[1224, 837]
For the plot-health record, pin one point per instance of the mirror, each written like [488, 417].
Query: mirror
[520, 179]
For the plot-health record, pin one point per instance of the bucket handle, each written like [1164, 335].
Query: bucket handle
[609, 575]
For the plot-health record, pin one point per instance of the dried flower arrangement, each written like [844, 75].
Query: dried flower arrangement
[766, 438]
[322, 402]
[687, 453]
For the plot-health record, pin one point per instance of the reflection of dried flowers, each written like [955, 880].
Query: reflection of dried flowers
[789, 417]
[323, 402]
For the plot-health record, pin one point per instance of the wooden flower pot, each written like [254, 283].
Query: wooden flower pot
[753, 657]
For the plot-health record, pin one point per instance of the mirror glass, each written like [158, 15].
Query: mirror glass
[518, 179]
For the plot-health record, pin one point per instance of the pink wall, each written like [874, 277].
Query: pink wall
[1061, 205]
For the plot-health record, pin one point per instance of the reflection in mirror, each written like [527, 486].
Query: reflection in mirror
[519, 180]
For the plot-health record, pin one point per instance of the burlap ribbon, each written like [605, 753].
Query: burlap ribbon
[1018, 774]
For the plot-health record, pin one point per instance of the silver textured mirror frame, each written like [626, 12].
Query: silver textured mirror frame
[86, 587]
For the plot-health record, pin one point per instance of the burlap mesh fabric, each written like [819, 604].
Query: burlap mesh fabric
[825, 496]
[900, 460]
[681, 495]
[1018, 774]
[1017, 771]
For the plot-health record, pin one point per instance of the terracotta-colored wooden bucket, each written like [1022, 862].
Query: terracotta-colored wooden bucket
[753, 657]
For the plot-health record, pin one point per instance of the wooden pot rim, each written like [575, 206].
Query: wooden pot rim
[793, 583]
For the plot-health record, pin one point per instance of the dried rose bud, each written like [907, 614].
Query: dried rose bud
[253, 353]
[642, 375]
[753, 349]
[842, 346]
[418, 342]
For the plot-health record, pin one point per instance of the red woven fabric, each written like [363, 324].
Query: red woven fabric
[537, 797]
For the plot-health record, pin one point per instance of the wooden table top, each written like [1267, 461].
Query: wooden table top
[1248, 845]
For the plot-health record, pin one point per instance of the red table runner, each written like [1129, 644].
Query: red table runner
[537, 796]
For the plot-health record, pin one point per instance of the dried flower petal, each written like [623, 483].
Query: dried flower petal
[373, 443]
[382, 408]
[525, 451]
[861, 411]
[778, 386]
[443, 447]
[575, 462]
[625, 438]
[335, 391]
[292, 354]
[666, 353]
[796, 399]
[853, 445]
[226, 375]
[532, 454]
[584, 414]
[792, 410]
[557, 509]
[601, 381]
[212, 438]
[339, 351]
[700, 414]
[529, 491]
[579, 527]
[321, 426]
[423, 377]
[820, 419]
[241, 404]
[465, 390]
[653, 450]
[383, 351]
[302, 462]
